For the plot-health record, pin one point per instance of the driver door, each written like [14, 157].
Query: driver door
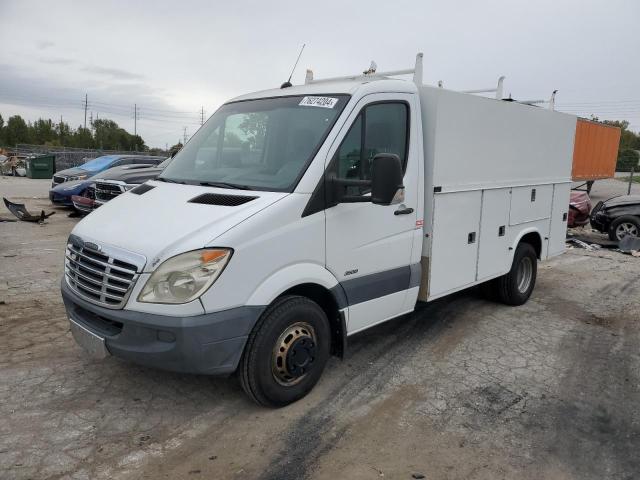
[369, 247]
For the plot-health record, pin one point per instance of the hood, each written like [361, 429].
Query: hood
[622, 200]
[69, 172]
[131, 173]
[161, 222]
[74, 185]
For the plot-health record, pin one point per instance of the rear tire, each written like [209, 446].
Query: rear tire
[286, 352]
[516, 287]
[624, 225]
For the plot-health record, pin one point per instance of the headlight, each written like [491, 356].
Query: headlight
[76, 177]
[185, 277]
[129, 186]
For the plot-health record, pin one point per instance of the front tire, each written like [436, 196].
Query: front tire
[623, 226]
[286, 352]
[516, 287]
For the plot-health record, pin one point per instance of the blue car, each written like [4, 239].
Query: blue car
[74, 181]
[62, 193]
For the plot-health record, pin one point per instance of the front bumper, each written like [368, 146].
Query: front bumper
[60, 199]
[84, 204]
[599, 219]
[207, 344]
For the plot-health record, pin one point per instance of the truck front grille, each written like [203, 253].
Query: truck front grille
[97, 277]
[107, 191]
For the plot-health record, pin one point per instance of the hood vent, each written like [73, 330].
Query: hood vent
[144, 188]
[221, 199]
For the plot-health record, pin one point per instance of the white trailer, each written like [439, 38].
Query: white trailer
[298, 216]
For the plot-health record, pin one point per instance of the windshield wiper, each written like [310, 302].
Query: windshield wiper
[226, 185]
[169, 180]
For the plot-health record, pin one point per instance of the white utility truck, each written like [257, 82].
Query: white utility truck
[298, 216]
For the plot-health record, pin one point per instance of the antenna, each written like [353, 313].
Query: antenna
[287, 84]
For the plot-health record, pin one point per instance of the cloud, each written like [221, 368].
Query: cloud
[112, 72]
[26, 87]
[57, 60]
[116, 73]
[44, 44]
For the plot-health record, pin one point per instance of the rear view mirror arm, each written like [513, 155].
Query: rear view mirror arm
[337, 186]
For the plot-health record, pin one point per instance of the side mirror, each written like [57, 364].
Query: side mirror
[386, 180]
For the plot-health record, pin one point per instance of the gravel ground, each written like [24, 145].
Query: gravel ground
[460, 389]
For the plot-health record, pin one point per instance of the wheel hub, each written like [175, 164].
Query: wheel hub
[625, 229]
[294, 354]
[525, 274]
[300, 356]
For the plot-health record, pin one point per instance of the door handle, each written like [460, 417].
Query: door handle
[403, 211]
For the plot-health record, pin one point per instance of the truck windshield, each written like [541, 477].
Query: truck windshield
[263, 144]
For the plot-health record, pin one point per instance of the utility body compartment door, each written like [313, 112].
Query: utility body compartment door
[530, 203]
[558, 222]
[454, 248]
[494, 258]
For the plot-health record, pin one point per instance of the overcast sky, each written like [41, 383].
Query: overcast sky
[173, 58]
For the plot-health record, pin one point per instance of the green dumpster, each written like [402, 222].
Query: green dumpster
[41, 167]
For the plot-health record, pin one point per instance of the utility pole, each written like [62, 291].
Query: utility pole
[202, 115]
[86, 104]
[86, 97]
[135, 119]
[185, 136]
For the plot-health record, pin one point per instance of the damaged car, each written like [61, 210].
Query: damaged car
[618, 217]
[74, 182]
[100, 164]
[116, 181]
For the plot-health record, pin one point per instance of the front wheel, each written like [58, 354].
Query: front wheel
[516, 287]
[286, 352]
[623, 226]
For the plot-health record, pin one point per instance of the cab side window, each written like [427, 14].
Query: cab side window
[379, 128]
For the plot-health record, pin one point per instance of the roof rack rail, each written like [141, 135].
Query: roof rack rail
[497, 90]
[551, 102]
[417, 72]
[372, 73]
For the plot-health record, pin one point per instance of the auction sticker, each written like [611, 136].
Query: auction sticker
[324, 102]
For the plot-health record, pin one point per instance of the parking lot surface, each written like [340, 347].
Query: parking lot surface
[461, 389]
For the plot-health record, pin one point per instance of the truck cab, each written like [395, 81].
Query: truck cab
[296, 217]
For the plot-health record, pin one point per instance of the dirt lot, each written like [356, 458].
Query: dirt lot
[462, 388]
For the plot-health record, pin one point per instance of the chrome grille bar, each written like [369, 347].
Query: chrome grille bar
[98, 276]
[100, 262]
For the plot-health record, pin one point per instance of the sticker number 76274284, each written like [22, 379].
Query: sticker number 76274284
[323, 102]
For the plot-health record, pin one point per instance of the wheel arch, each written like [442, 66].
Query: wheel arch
[531, 236]
[315, 283]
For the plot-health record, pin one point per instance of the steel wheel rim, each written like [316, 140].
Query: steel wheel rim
[525, 274]
[626, 228]
[291, 341]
